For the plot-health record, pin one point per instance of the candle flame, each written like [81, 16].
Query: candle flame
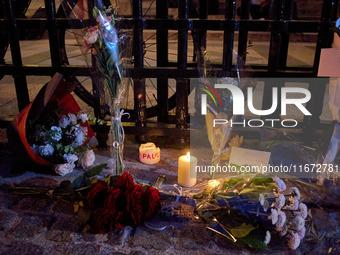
[188, 156]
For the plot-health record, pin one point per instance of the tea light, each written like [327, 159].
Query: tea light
[149, 154]
[186, 170]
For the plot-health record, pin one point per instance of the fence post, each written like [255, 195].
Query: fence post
[243, 32]
[317, 88]
[139, 83]
[52, 32]
[162, 61]
[19, 79]
[228, 40]
[182, 86]
[202, 33]
[274, 58]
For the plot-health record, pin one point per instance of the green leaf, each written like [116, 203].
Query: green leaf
[95, 170]
[95, 12]
[58, 146]
[231, 182]
[67, 149]
[242, 230]
[79, 182]
[253, 242]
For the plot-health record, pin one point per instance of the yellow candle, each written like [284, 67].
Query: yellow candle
[187, 170]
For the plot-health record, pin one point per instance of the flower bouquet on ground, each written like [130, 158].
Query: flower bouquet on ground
[249, 211]
[52, 131]
[110, 47]
[111, 204]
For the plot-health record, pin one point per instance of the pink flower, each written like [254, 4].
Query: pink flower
[90, 38]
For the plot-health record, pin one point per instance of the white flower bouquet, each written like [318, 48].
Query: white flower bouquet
[52, 131]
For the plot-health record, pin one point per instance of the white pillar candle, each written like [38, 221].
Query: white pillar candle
[149, 154]
[187, 170]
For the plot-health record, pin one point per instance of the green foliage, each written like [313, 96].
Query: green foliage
[231, 182]
[259, 184]
[242, 230]
[95, 12]
[85, 179]
[253, 240]
[95, 170]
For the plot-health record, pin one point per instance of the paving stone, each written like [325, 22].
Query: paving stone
[21, 248]
[8, 219]
[61, 236]
[63, 207]
[30, 226]
[115, 236]
[78, 249]
[66, 223]
[3, 201]
[150, 239]
[88, 237]
[35, 204]
[40, 182]
[193, 237]
[8, 200]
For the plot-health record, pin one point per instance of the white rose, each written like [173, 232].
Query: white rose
[82, 117]
[63, 169]
[63, 121]
[72, 118]
[86, 159]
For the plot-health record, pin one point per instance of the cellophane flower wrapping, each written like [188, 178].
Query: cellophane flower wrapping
[110, 48]
[53, 129]
[220, 103]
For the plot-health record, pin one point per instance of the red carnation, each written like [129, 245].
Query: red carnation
[97, 194]
[104, 220]
[134, 196]
[151, 202]
[125, 181]
[112, 197]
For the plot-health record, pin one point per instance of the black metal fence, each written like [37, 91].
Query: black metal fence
[280, 28]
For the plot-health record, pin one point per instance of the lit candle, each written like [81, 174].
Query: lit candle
[149, 154]
[187, 170]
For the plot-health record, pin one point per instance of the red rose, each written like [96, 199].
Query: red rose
[104, 220]
[97, 194]
[134, 196]
[125, 181]
[111, 199]
[151, 202]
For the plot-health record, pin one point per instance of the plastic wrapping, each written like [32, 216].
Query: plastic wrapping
[110, 47]
[219, 104]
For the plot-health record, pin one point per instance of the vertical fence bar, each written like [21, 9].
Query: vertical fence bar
[288, 15]
[52, 32]
[182, 85]
[139, 83]
[228, 40]
[202, 34]
[317, 88]
[19, 80]
[162, 61]
[243, 32]
[274, 60]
